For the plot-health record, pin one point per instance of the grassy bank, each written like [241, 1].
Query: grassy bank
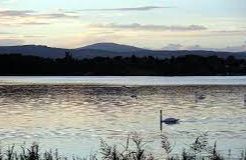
[133, 149]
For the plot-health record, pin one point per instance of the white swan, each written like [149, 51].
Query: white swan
[168, 120]
[200, 96]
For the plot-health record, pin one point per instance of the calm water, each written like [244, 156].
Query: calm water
[73, 114]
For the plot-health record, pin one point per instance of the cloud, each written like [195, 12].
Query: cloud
[18, 24]
[19, 18]
[197, 47]
[57, 16]
[8, 1]
[34, 14]
[16, 13]
[34, 23]
[137, 26]
[143, 8]
[5, 33]
[239, 48]
[229, 32]
[172, 47]
[33, 36]
[11, 42]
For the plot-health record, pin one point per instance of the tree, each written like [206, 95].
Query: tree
[68, 56]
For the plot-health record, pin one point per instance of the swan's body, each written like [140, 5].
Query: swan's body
[170, 121]
[201, 97]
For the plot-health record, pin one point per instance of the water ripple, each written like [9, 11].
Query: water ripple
[58, 113]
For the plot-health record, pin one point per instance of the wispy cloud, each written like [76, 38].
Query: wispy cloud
[11, 42]
[57, 16]
[137, 26]
[34, 23]
[5, 33]
[239, 48]
[8, 1]
[19, 18]
[16, 13]
[35, 14]
[230, 32]
[142, 8]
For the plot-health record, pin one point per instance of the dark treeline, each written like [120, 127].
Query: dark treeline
[16, 64]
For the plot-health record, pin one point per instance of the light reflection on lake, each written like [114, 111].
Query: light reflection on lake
[74, 118]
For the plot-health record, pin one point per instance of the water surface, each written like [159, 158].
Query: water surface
[74, 114]
[127, 80]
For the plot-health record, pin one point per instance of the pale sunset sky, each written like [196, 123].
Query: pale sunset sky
[155, 24]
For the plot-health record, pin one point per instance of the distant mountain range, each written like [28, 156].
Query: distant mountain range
[109, 50]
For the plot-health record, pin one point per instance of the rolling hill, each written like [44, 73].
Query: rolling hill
[112, 47]
[109, 50]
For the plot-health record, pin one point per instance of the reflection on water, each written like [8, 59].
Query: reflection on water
[74, 118]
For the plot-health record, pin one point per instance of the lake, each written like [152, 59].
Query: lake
[74, 113]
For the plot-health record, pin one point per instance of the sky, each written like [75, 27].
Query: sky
[154, 24]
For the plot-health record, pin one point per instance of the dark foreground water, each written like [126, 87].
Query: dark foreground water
[73, 114]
